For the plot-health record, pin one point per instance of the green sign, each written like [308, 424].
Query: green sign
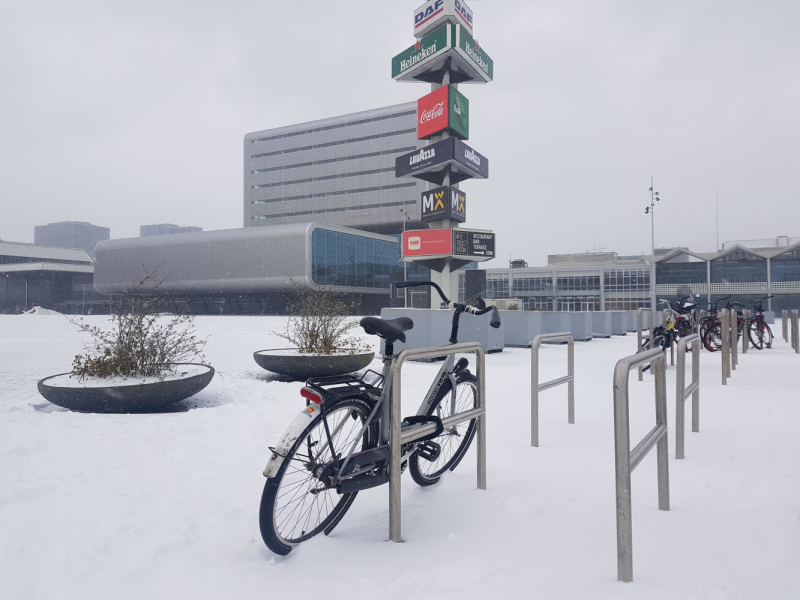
[459, 113]
[426, 49]
[476, 55]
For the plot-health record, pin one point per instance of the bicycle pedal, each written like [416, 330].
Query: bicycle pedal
[429, 450]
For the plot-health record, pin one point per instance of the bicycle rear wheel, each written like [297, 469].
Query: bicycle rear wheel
[760, 334]
[712, 339]
[453, 441]
[296, 505]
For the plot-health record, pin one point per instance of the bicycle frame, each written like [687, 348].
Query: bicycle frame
[383, 407]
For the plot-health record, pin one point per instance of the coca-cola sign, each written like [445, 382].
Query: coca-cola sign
[432, 113]
[443, 109]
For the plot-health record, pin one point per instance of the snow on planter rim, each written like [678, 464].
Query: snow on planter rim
[70, 380]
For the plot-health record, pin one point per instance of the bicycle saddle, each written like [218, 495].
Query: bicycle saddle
[389, 329]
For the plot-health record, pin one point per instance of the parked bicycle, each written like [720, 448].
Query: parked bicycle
[339, 445]
[710, 319]
[759, 332]
[712, 338]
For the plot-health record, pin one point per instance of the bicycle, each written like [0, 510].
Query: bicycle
[339, 445]
[708, 321]
[759, 332]
[712, 338]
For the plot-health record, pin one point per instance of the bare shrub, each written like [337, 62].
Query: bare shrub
[320, 323]
[139, 345]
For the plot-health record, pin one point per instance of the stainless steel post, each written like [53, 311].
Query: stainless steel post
[725, 328]
[785, 324]
[734, 339]
[672, 353]
[397, 438]
[796, 331]
[639, 336]
[537, 387]
[627, 460]
[682, 393]
[745, 330]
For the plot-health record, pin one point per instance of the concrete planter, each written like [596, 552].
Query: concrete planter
[289, 363]
[601, 324]
[126, 398]
[619, 322]
[432, 328]
[521, 326]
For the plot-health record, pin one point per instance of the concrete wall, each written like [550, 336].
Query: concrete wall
[432, 328]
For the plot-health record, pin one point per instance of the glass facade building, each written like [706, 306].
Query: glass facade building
[339, 258]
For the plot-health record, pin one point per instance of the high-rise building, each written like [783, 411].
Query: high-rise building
[71, 234]
[165, 229]
[339, 170]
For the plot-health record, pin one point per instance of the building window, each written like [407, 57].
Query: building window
[344, 259]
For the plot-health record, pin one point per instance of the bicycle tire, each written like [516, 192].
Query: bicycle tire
[425, 472]
[760, 334]
[327, 506]
[712, 339]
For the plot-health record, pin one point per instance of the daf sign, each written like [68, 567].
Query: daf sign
[436, 12]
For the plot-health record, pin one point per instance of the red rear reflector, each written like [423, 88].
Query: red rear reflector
[313, 396]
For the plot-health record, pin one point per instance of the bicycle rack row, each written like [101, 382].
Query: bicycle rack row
[627, 460]
[397, 438]
[682, 392]
[537, 387]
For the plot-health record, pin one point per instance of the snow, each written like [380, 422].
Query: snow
[38, 310]
[74, 381]
[166, 505]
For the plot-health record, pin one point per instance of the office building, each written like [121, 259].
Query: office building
[165, 229]
[71, 234]
[47, 276]
[339, 170]
[606, 281]
[255, 270]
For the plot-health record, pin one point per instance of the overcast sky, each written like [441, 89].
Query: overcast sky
[123, 114]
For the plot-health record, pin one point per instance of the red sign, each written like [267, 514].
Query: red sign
[432, 113]
[427, 242]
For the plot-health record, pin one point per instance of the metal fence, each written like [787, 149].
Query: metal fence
[537, 387]
[627, 460]
[397, 438]
[682, 392]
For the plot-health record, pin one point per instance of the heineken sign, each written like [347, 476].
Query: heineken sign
[445, 109]
[444, 203]
[424, 51]
[424, 61]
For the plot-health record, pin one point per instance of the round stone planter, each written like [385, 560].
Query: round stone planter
[289, 363]
[126, 396]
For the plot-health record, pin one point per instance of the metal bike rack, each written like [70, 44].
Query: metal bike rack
[639, 336]
[725, 336]
[627, 460]
[682, 392]
[785, 325]
[734, 345]
[397, 438]
[537, 387]
[795, 331]
[746, 330]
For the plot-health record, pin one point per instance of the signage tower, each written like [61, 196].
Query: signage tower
[445, 55]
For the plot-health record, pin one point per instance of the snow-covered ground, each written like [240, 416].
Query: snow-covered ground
[166, 505]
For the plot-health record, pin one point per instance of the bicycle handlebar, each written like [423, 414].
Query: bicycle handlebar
[405, 284]
[494, 322]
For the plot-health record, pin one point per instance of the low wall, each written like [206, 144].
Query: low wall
[432, 327]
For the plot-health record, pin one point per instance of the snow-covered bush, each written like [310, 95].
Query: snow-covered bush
[319, 323]
[141, 343]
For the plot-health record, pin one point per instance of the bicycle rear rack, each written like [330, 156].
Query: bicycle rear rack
[397, 437]
[537, 387]
[627, 460]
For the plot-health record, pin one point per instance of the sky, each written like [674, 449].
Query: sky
[124, 114]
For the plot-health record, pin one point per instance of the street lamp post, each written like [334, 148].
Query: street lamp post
[651, 210]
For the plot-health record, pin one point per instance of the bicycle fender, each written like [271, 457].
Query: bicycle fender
[289, 437]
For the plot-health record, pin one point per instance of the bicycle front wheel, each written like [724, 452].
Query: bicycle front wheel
[453, 441]
[760, 334]
[296, 504]
[712, 339]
